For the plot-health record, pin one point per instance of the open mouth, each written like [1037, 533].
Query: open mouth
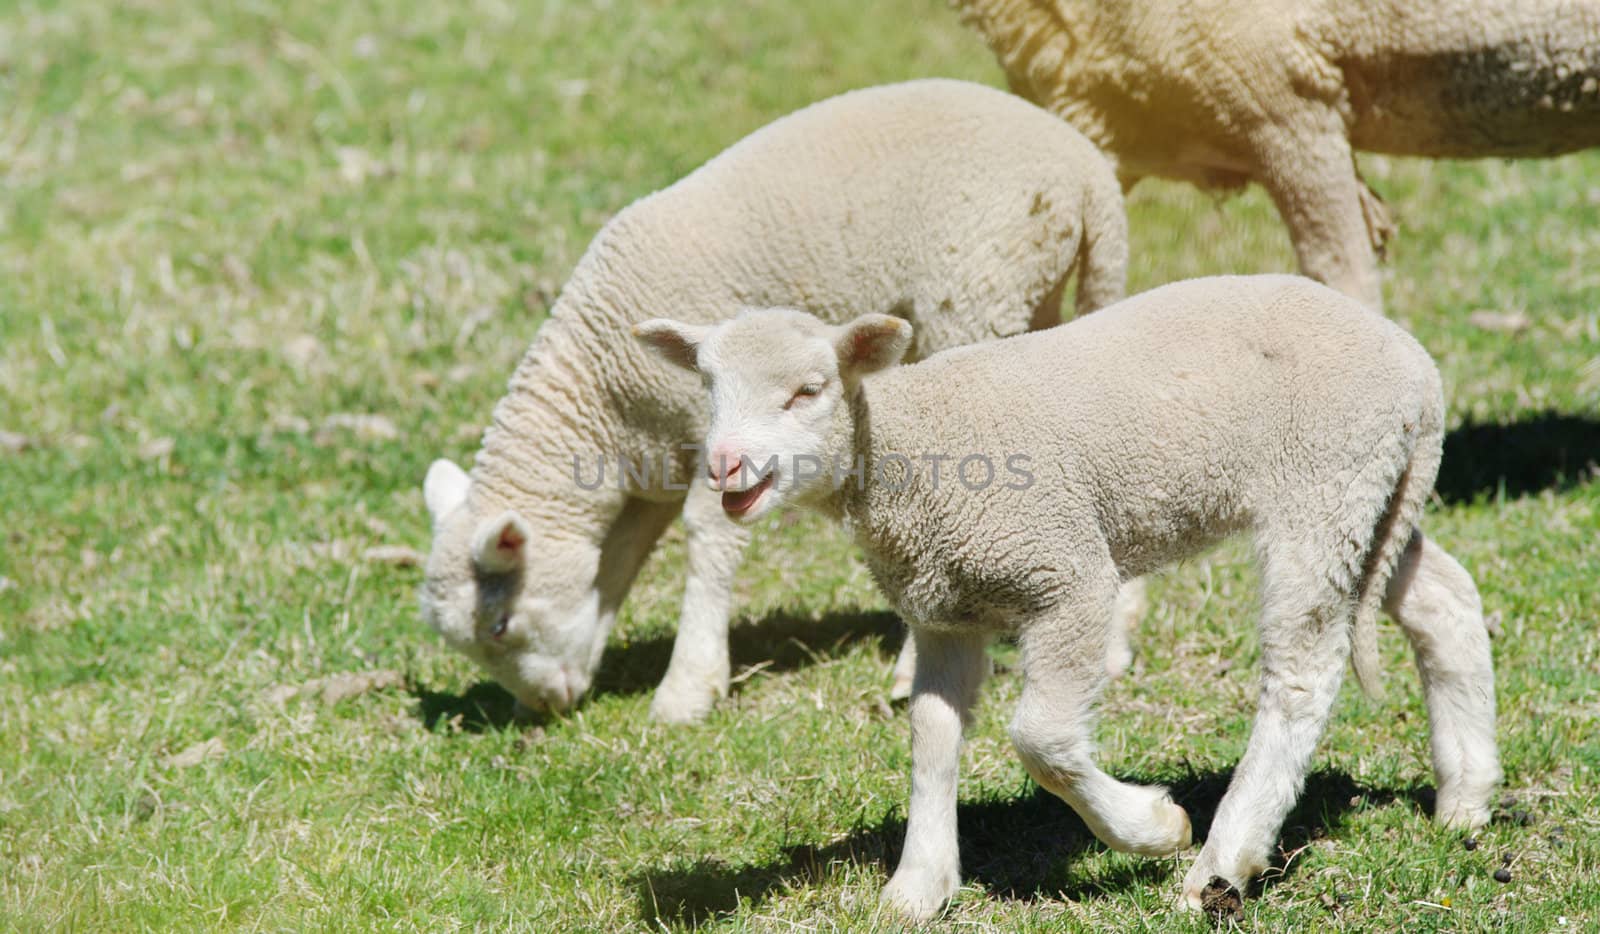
[737, 503]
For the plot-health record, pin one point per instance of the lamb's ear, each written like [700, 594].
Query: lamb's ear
[444, 488]
[871, 343]
[679, 343]
[501, 544]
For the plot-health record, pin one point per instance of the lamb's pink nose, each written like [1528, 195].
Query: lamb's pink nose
[722, 466]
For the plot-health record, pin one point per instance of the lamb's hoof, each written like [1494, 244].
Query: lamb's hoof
[1456, 814]
[678, 705]
[1206, 886]
[1183, 831]
[900, 689]
[918, 895]
[1169, 832]
[1220, 899]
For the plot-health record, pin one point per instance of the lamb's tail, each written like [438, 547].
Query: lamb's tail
[1103, 246]
[1395, 528]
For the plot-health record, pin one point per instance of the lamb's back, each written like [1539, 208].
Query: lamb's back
[911, 199]
[863, 201]
[1186, 408]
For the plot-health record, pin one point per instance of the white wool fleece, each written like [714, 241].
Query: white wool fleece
[955, 206]
[1267, 405]
[1282, 94]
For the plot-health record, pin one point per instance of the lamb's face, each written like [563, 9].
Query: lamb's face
[778, 380]
[542, 643]
[775, 384]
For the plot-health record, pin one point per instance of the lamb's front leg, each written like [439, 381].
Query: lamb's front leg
[950, 668]
[1064, 670]
[698, 673]
[1130, 608]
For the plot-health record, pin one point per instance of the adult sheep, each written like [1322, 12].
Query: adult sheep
[923, 200]
[1225, 92]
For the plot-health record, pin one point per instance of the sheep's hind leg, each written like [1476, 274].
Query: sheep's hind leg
[1310, 173]
[1064, 670]
[950, 668]
[1435, 601]
[698, 673]
[1305, 641]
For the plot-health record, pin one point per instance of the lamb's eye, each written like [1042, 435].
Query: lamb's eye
[500, 627]
[806, 391]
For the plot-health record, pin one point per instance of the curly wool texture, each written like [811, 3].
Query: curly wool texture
[1221, 93]
[1259, 405]
[926, 200]
[1269, 405]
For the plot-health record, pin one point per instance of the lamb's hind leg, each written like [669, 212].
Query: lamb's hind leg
[1063, 664]
[1435, 602]
[1130, 608]
[905, 669]
[1305, 641]
[699, 670]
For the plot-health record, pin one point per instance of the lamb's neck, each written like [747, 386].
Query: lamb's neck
[861, 500]
[550, 430]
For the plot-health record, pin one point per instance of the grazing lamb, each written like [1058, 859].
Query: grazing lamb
[1079, 457]
[924, 200]
[1221, 94]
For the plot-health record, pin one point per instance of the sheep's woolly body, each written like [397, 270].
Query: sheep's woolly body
[1146, 432]
[1255, 408]
[926, 200]
[1223, 93]
[1466, 79]
[915, 200]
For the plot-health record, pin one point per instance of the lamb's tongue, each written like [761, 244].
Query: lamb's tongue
[742, 500]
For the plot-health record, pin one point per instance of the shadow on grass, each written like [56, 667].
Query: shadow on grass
[1019, 849]
[1545, 450]
[484, 706]
[780, 641]
[1540, 451]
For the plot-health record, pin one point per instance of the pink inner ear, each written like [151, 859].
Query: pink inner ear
[511, 541]
[863, 343]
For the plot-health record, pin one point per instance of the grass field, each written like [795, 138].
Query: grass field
[261, 262]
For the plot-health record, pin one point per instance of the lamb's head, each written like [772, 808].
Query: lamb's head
[542, 643]
[780, 383]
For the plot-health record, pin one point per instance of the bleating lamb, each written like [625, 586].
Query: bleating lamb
[1282, 93]
[926, 200]
[1079, 457]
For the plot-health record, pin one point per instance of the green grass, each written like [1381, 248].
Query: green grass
[221, 224]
